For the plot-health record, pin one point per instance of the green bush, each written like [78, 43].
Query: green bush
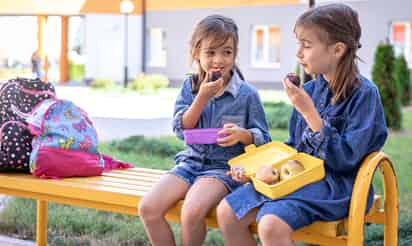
[277, 114]
[153, 146]
[402, 76]
[389, 89]
[76, 71]
[102, 83]
[149, 82]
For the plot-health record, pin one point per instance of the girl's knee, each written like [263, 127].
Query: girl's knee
[148, 209]
[273, 228]
[192, 213]
[225, 215]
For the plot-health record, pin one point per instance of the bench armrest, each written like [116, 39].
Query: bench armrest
[360, 194]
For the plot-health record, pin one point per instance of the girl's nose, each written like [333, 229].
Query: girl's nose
[217, 59]
[299, 53]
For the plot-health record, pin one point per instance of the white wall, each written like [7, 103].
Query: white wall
[104, 48]
[106, 31]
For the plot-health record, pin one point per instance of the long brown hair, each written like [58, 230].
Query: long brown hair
[338, 23]
[220, 29]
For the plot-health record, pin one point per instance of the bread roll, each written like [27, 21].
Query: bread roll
[290, 168]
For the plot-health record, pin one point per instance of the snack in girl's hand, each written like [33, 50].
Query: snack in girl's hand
[215, 75]
[294, 79]
[290, 168]
[268, 174]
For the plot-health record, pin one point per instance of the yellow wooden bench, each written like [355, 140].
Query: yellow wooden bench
[120, 191]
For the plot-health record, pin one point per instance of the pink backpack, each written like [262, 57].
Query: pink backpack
[18, 97]
[65, 142]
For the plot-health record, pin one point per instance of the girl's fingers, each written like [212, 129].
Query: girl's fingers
[227, 144]
[224, 139]
[229, 125]
[226, 131]
[290, 85]
[284, 83]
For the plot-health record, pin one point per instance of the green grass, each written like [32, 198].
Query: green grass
[76, 226]
[407, 119]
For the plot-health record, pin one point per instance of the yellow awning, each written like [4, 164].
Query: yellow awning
[63, 7]
[78, 7]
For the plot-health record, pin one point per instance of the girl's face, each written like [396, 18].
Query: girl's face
[220, 58]
[314, 54]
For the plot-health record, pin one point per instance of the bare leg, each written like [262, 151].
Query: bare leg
[202, 197]
[274, 231]
[154, 205]
[235, 232]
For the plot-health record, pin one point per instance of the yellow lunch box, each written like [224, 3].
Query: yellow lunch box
[276, 154]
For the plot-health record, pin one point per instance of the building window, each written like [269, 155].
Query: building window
[156, 48]
[401, 39]
[265, 46]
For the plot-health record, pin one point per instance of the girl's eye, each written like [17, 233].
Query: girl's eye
[228, 52]
[210, 53]
[305, 45]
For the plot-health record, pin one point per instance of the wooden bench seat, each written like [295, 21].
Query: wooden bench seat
[121, 190]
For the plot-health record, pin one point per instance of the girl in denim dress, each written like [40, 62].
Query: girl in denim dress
[337, 117]
[199, 176]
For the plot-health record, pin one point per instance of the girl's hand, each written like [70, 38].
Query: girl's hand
[299, 98]
[233, 135]
[238, 174]
[304, 105]
[209, 89]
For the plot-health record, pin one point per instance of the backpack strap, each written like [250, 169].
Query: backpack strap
[47, 111]
[110, 163]
[28, 91]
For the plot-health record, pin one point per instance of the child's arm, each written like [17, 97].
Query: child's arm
[182, 104]
[256, 122]
[304, 105]
[361, 131]
[235, 134]
[256, 129]
[187, 109]
[206, 91]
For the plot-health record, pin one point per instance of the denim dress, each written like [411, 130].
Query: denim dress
[353, 128]
[239, 104]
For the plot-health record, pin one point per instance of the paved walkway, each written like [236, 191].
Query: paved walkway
[119, 115]
[9, 241]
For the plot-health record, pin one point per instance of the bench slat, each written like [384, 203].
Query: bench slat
[120, 191]
[135, 173]
[132, 177]
[138, 185]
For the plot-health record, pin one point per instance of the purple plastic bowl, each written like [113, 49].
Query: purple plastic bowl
[201, 136]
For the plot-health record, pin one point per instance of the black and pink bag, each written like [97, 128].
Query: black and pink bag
[18, 97]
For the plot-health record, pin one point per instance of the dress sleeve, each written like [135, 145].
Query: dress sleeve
[363, 131]
[183, 102]
[256, 122]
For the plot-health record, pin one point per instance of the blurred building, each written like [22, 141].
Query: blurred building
[267, 44]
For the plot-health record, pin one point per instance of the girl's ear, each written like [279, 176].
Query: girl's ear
[196, 55]
[339, 49]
